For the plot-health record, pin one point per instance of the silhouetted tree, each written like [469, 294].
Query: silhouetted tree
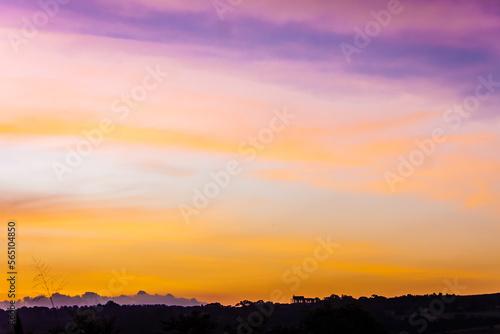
[214, 305]
[191, 324]
[86, 322]
[349, 319]
[287, 330]
[18, 327]
[244, 303]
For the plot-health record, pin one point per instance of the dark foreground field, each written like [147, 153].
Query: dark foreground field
[343, 315]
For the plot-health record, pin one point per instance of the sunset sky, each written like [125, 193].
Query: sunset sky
[320, 107]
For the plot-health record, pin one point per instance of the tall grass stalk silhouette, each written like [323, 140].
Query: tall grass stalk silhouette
[48, 282]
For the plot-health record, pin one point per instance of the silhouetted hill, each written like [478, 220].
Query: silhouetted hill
[334, 314]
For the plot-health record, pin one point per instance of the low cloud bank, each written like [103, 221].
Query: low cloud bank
[92, 298]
